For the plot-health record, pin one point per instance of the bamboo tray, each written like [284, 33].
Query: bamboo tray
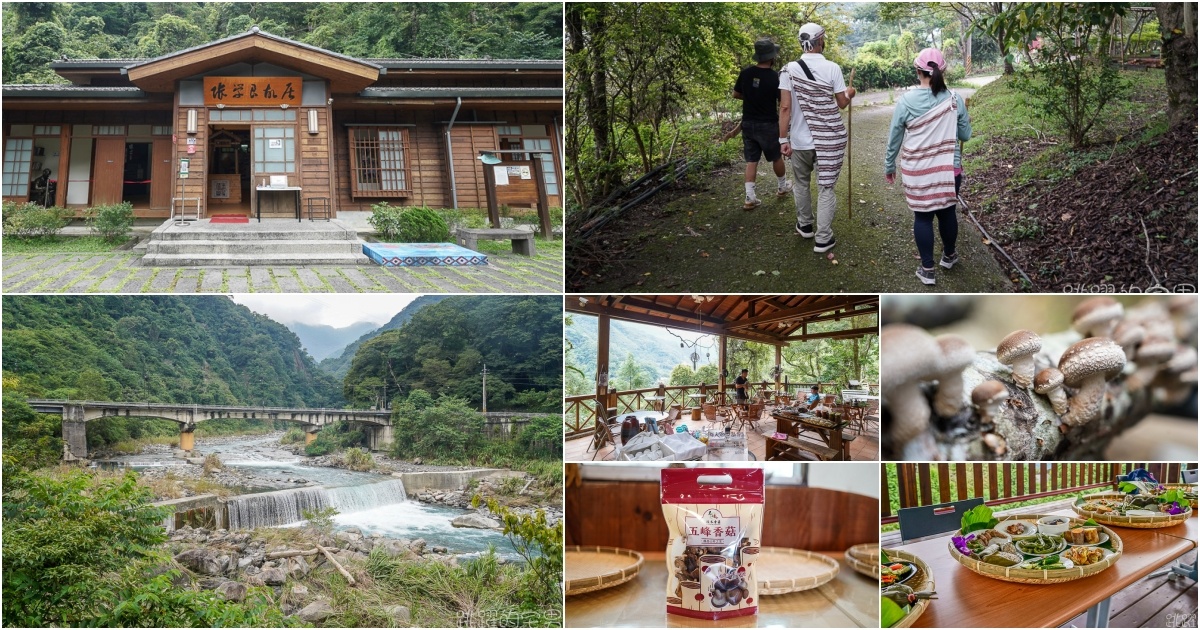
[1183, 486]
[782, 570]
[1136, 521]
[922, 581]
[1036, 576]
[588, 569]
[869, 568]
[866, 552]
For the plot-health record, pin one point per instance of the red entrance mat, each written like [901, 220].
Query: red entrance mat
[228, 218]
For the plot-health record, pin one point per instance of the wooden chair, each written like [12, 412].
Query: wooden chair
[751, 416]
[919, 522]
[603, 435]
[668, 423]
[710, 412]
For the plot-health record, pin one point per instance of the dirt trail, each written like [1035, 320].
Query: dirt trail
[699, 239]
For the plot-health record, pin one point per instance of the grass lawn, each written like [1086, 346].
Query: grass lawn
[60, 245]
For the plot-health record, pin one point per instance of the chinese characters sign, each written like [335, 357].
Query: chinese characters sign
[253, 91]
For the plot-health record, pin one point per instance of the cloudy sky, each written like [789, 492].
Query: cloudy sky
[338, 310]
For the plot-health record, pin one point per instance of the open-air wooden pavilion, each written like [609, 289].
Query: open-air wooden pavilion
[775, 320]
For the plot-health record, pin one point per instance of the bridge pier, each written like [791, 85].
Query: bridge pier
[187, 439]
[310, 436]
[379, 438]
[74, 433]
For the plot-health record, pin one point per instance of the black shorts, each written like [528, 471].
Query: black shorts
[760, 138]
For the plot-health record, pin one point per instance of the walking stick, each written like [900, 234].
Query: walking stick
[850, 151]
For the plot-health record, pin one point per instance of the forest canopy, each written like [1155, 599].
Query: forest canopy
[38, 33]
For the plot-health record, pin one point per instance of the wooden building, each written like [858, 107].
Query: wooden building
[210, 125]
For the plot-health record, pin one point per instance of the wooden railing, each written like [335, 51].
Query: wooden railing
[579, 412]
[931, 484]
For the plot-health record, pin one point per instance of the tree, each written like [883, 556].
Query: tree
[1177, 22]
[975, 14]
[683, 375]
[631, 374]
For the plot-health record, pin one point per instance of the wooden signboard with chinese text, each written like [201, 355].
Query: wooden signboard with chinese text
[253, 91]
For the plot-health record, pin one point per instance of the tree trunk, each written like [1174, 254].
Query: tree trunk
[1177, 23]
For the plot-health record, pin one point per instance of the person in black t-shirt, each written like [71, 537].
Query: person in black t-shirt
[758, 88]
[740, 384]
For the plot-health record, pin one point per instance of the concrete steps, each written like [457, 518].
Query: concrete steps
[272, 242]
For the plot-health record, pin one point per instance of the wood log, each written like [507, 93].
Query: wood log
[337, 565]
[1028, 422]
[291, 553]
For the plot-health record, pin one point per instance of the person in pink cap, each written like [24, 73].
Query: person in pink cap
[927, 126]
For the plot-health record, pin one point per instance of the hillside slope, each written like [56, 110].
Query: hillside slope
[325, 341]
[202, 349]
[338, 363]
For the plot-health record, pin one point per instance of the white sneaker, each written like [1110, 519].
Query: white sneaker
[784, 189]
[751, 203]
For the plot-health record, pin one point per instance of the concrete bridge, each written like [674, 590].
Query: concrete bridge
[76, 414]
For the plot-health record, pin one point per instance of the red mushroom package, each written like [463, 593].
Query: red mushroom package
[715, 520]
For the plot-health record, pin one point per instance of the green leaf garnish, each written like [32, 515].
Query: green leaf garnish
[890, 613]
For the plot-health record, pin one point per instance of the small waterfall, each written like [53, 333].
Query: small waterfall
[367, 496]
[288, 506]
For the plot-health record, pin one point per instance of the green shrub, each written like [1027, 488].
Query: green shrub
[294, 435]
[358, 459]
[212, 463]
[112, 221]
[335, 436]
[29, 220]
[408, 225]
[320, 520]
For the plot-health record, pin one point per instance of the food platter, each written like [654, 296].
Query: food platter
[1028, 528]
[1037, 568]
[782, 570]
[920, 580]
[590, 569]
[1115, 509]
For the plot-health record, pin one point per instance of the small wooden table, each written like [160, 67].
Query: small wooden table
[967, 599]
[656, 401]
[850, 600]
[831, 435]
[259, 190]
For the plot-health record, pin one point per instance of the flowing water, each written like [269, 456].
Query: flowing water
[371, 502]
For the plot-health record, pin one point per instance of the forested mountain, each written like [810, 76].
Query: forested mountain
[652, 347]
[338, 364]
[36, 33]
[203, 350]
[444, 347]
[324, 341]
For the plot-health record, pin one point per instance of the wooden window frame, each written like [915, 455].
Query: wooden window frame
[364, 147]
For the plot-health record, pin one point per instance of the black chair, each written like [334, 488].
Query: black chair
[1187, 476]
[919, 522]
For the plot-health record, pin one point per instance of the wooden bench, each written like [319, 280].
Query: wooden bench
[786, 449]
[522, 241]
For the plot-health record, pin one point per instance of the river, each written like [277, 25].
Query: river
[368, 501]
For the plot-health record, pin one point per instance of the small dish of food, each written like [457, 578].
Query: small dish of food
[1053, 525]
[1085, 536]
[1041, 545]
[1083, 556]
[895, 573]
[1017, 529]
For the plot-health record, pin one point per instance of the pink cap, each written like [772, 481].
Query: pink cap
[930, 55]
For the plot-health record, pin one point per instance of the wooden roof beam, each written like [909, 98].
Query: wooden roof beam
[800, 312]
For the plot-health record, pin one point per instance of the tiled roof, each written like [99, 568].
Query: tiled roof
[68, 91]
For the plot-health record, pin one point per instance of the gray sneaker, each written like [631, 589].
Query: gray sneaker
[926, 276]
[948, 262]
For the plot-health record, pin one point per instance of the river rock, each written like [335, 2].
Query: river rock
[394, 548]
[417, 545]
[477, 521]
[438, 549]
[273, 577]
[317, 612]
[300, 591]
[207, 561]
[400, 614]
[298, 566]
[232, 591]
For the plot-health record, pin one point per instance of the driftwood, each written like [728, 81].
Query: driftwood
[1028, 423]
[337, 565]
[292, 553]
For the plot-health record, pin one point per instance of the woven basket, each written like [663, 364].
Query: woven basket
[590, 569]
[1034, 576]
[866, 552]
[1183, 486]
[869, 568]
[781, 570]
[922, 581]
[1136, 521]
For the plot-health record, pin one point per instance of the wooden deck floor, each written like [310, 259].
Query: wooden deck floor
[1149, 603]
[865, 447]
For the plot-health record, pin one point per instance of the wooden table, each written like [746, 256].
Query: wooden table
[832, 436]
[967, 599]
[259, 190]
[656, 401]
[849, 600]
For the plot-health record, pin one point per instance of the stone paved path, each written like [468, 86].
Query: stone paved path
[121, 272]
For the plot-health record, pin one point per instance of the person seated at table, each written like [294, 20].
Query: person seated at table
[813, 399]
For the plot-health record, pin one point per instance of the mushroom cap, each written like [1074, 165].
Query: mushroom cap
[908, 354]
[989, 392]
[1155, 349]
[1094, 311]
[1129, 333]
[1089, 357]
[1019, 343]
[1047, 380]
[957, 353]
[1183, 360]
